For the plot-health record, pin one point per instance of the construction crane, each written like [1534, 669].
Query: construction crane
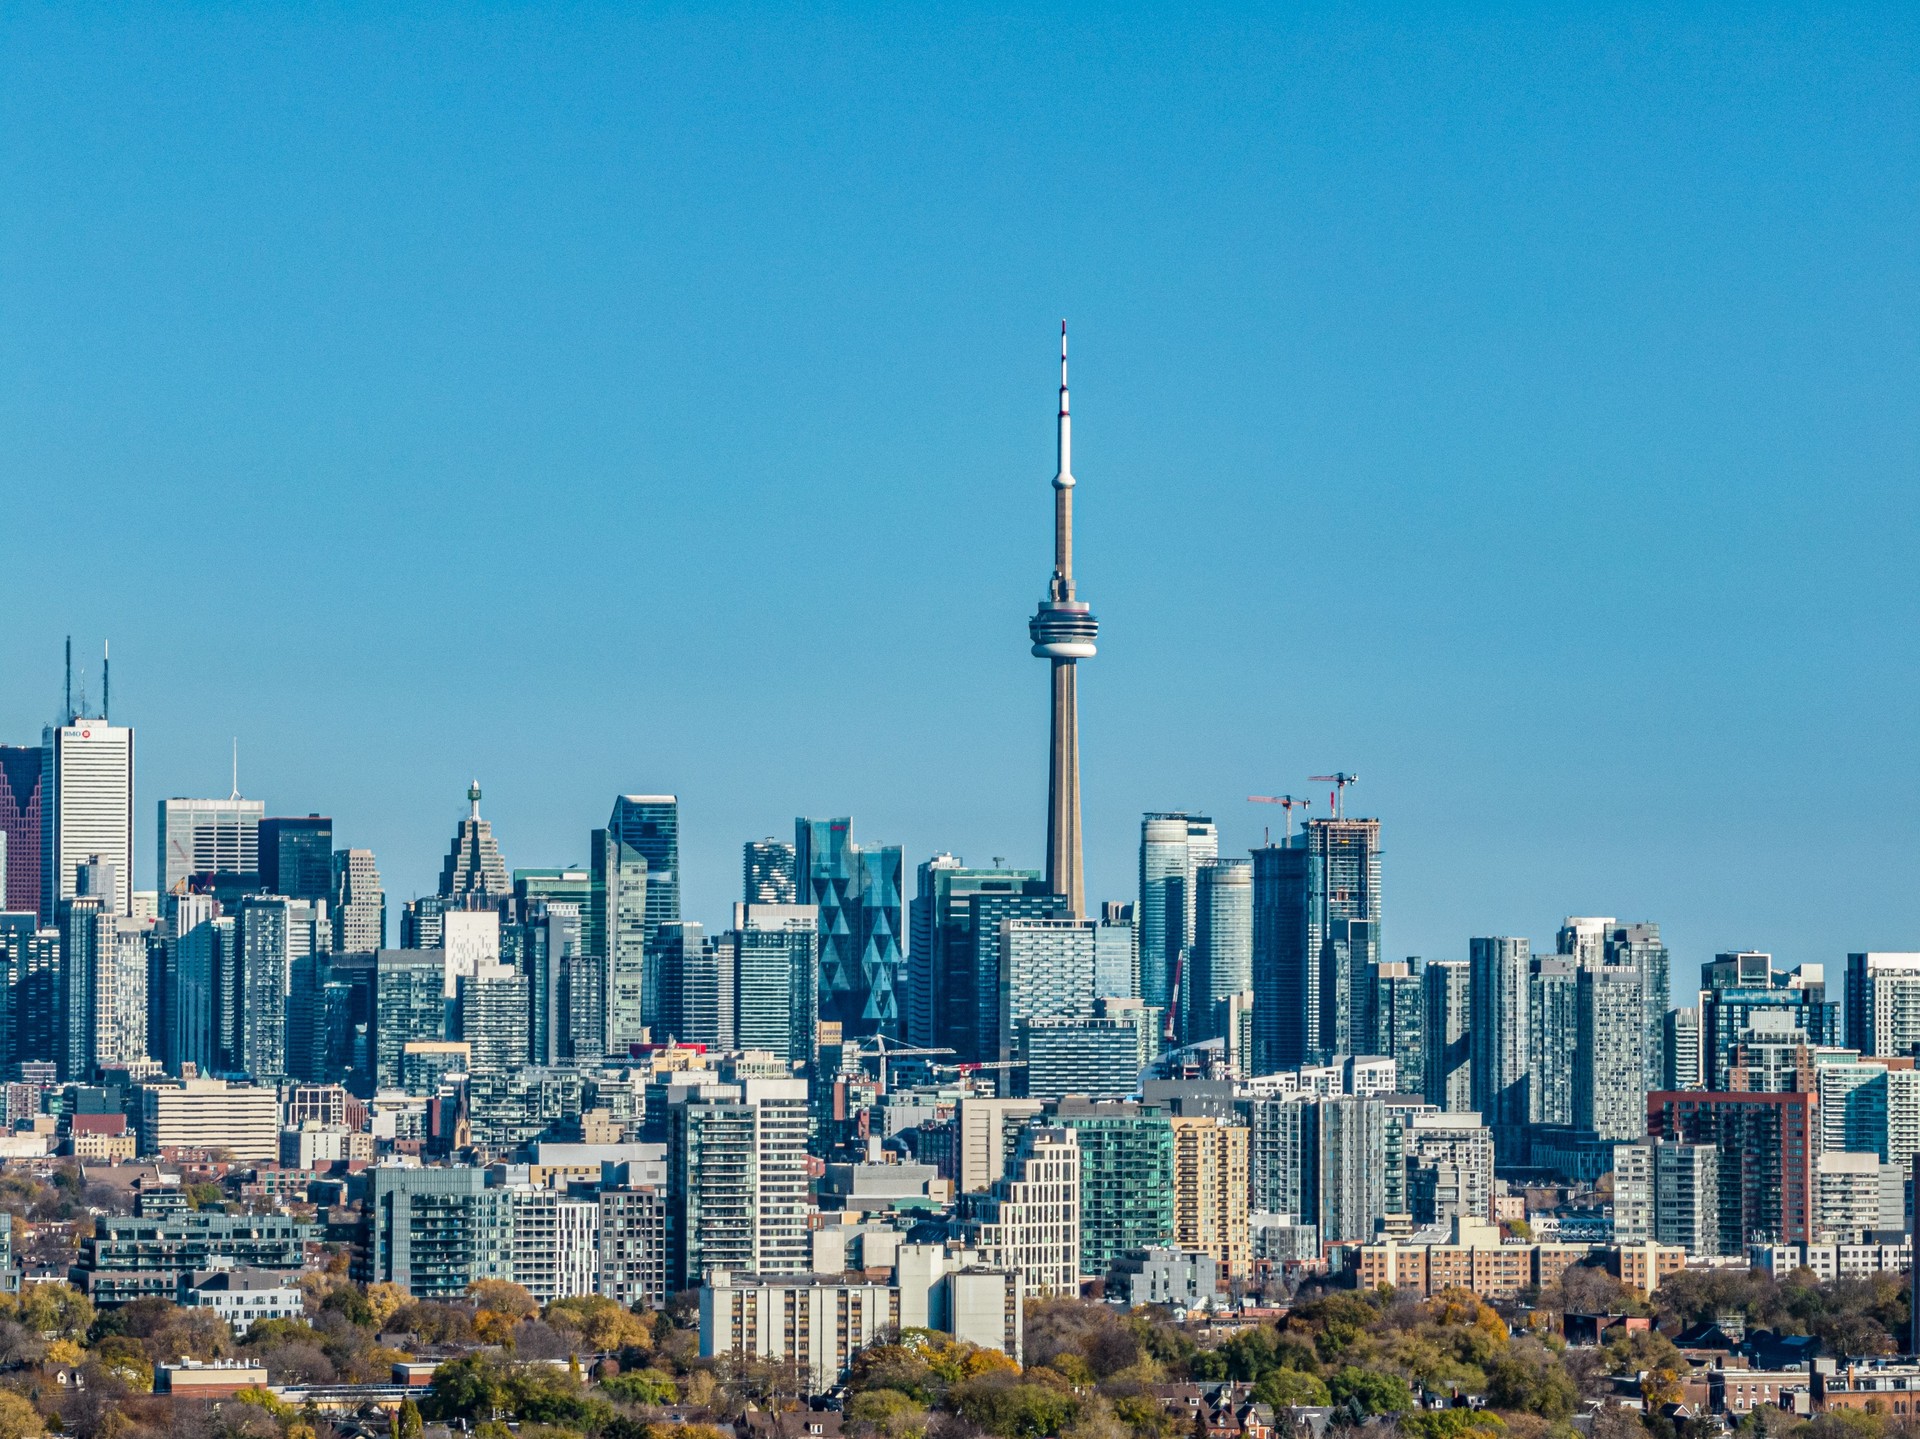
[1339, 782]
[879, 1045]
[1286, 801]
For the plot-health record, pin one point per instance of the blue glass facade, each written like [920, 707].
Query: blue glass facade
[858, 892]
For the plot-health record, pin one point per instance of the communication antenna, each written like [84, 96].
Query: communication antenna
[67, 713]
[236, 767]
[106, 710]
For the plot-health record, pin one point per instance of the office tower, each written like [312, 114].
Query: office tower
[1029, 1220]
[1100, 1057]
[616, 930]
[473, 873]
[1680, 1051]
[1172, 849]
[296, 856]
[29, 955]
[1498, 1026]
[1116, 963]
[1448, 992]
[1640, 946]
[1399, 1021]
[857, 891]
[1046, 968]
[1740, 988]
[1766, 1145]
[1449, 1167]
[1883, 1003]
[86, 809]
[650, 824]
[697, 986]
[1286, 988]
[1344, 1167]
[737, 1182]
[1210, 1191]
[491, 1018]
[1222, 945]
[207, 837]
[359, 903]
[775, 959]
[1126, 1178]
[1553, 1031]
[768, 875]
[1063, 630]
[944, 990]
[550, 954]
[20, 792]
[409, 1006]
[1609, 1071]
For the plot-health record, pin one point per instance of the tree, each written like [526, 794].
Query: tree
[1286, 1388]
[504, 1297]
[603, 1323]
[18, 1418]
[646, 1386]
[1529, 1378]
[408, 1424]
[1375, 1392]
[386, 1300]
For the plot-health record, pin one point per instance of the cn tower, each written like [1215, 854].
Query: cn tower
[1063, 630]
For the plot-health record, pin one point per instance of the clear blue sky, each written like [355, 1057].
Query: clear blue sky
[1517, 407]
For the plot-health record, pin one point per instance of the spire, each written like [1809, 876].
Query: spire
[236, 766]
[473, 800]
[1064, 479]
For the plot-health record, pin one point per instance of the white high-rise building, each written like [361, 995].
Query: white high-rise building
[1046, 967]
[359, 903]
[206, 836]
[1883, 1003]
[471, 939]
[1030, 1221]
[86, 809]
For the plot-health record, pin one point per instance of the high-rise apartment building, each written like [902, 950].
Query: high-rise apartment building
[86, 809]
[857, 892]
[1222, 945]
[1449, 1166]
[1680, 1052]
[1498, 1026]
[1640, 947]
[1099, 1058]
[617, 932]
[410, 1007]
[1116, 964]
[567, 1009]
[775, 959]
[274, 934]
[1126, 1178]
[31, 994]
[1609, 1072]
[768, 875]
[1316, 932]
[20, 791]
[1210, 1188]
[1029, 1221]
[490, 1011]
[1668, 1193]
[1399, 1021]
[1344, 1166]
[1173, 846]
[359, 903]
[1738, 988]
[207, 837]
[1448, 991]
[1553, 1031]
[1883, 1003]
[296, 856]
[737, 1182]
[86, 947]
[1046, 968]
[1765, 1145]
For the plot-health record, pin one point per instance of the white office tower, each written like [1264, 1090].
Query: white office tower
[359, 903]
[1030, 1221]
[86, 809]
[470, 938]
[207, 836]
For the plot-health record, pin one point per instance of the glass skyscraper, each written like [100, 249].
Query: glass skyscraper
[1222, 946]
[296, 856]
[1172, 848]
[943, 994]
[857, 891]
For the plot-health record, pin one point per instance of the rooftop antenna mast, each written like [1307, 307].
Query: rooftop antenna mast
[106, 710]
[66, 713]
[236, 767]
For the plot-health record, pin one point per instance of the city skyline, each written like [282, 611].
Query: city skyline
[1543, 464]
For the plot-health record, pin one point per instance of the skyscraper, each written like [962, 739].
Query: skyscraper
[1609, 1073]
[857, 891]
[274, 934]
[767, 873]
[1499, 1028]
[1316, 936]
[20, 825]
[1449, 1060]
[649, 825]
[1883, 1003]
[617, 932]
[697, 986]
[1399, 1021]
[943, 992]
[359, 903]
[86, 945]
[1046, 968]
[1222, 945]
[1640, 946]
[737, 1181]
[1063, 631]
[86, 809]
[207, 836]
[1173, 846]
[1286, 988]
[473, 872]
[1552, 1037]
[296, 856]
[776, 972]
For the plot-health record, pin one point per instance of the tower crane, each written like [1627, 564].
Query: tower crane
[879, 1046]
[1286, 802]
[1339, 782]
